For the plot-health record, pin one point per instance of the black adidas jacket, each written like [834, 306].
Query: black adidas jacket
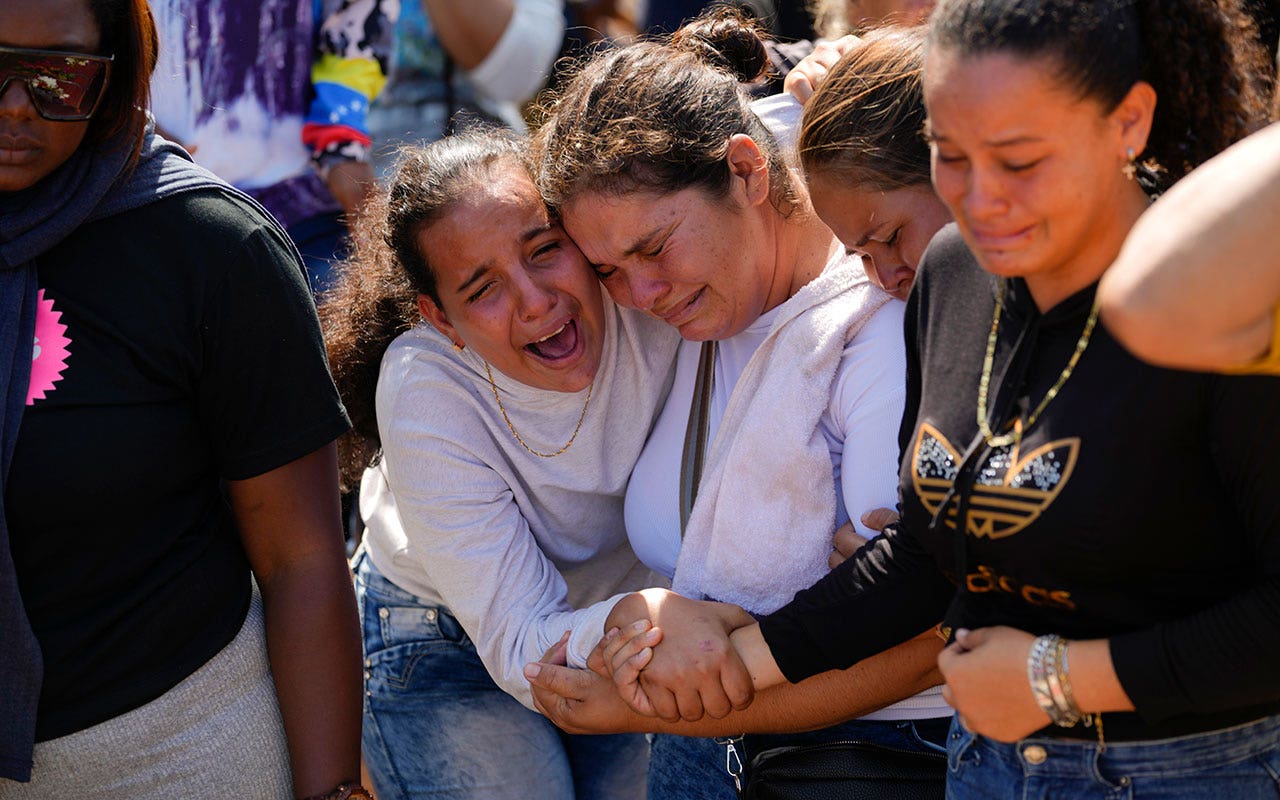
[1143, 506]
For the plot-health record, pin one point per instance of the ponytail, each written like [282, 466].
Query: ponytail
[1208, 71]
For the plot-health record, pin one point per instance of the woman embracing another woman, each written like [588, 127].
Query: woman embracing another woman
[788, 389]
[499, 401]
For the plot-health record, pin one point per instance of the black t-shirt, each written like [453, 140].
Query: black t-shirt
[1142, 506]
[177, 346]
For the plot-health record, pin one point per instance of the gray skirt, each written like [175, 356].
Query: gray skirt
[218, 733]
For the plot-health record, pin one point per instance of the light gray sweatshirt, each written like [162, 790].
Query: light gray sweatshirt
[518, 548]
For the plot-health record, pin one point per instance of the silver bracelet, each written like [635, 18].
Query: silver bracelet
[1060, 685]
[1047, 674]
[1037, 675]
[1069, 698]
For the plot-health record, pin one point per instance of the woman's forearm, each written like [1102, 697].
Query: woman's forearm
[580, 701]
[1094, 682]
[313, 641]
[830, 697]
[290, 524]
[755, 654]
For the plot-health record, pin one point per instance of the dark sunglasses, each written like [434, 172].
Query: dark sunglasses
[63, 87]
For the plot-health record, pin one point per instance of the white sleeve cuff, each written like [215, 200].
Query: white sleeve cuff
[520, 62]
[781, 114]
[588, 630]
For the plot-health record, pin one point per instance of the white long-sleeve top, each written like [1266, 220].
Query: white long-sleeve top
[864, 409]
[859, 425]
[519, 548]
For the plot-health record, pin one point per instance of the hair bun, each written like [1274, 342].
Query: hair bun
[727, 38]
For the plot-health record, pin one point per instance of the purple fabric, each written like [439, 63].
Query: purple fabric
[247, 37]
[296, 199]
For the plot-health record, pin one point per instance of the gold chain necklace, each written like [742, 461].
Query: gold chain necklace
[985, 381]
[590, 388]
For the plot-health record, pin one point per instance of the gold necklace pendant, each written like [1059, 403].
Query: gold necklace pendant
[512, 428]
[984, 381]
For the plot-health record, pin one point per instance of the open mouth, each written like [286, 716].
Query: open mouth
[558, 345]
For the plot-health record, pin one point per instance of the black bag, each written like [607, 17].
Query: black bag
[848, 770]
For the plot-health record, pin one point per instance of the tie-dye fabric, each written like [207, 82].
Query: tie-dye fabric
[260, 89]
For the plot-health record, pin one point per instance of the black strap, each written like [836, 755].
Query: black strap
[1004, 406]
[960, 490]
[695, 433]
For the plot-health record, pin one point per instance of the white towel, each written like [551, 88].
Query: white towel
[761, 527]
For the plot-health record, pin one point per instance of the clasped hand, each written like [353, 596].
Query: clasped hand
[986, 683]
[695, 672]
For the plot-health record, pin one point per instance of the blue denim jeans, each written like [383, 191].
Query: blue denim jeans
[437, 726]
[686, 768]
[1240, 763]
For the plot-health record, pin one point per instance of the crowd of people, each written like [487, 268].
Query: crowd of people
[907, 430]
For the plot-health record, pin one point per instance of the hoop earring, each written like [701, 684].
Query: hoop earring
[1130, 168]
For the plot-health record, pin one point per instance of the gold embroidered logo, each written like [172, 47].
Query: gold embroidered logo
[1010, 490]
[987, 579]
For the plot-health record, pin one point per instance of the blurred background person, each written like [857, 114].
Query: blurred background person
[838, 22]
[457, 63]
[838, 17]
[783, 19]
[273, 96]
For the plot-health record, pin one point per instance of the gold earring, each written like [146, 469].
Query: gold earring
[1130, 167]
[459, 346]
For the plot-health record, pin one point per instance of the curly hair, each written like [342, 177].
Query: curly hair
[1201, 56]
[658, 116]
[864, 122]
[376, 296]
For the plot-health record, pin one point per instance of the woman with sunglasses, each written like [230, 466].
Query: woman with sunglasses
[1103, 536]
[168, 428]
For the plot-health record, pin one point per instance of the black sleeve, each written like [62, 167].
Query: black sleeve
[1226, 656]
[911, 321]
[266, 394]
[887, 592]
